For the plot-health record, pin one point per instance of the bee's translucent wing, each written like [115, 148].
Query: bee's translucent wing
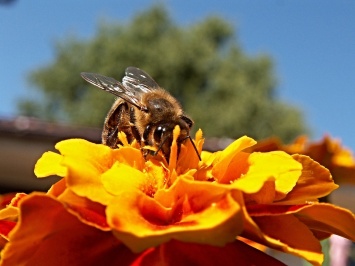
[130, 94]
[138, 80]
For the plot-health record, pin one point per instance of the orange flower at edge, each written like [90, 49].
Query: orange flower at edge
[328, 152]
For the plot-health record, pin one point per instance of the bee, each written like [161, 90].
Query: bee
[143, 111]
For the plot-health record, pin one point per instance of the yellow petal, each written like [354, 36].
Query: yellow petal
[275, 166]
[121, 178]
[85, 163]
[98, 155]
[50, 164]
[84, 180]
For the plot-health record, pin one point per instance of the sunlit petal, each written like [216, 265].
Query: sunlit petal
[50, 164]
[274, 166]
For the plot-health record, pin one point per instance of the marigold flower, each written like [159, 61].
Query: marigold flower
[145, 208]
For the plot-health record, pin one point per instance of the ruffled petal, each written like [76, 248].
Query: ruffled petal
[291, 236]
[315, 182]
[87, 211]
[285, 233]
[187, 211]
[232, 153]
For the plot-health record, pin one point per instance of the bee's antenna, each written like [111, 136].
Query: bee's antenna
[193, 144]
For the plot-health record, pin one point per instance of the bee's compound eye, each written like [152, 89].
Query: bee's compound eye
[158, 133]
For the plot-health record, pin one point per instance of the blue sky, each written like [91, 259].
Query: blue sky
[312, 44]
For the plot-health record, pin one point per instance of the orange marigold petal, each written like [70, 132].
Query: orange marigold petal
[123, 138]
[344, 157]
[237, 168]
[199, 140]
[174, 149]
[57, 188]
[222, 159]
[322, 218]
[50, 164]
[198, 212]
[189, 157]
[328, 218]
[288, 234]
[315, 182]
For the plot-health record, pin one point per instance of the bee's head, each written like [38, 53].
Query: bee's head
[163, 135]
[163, 138]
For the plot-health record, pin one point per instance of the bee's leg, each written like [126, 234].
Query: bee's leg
[132, 120]
[116, 120]
[145, 140]
[111, 138]
[110, 131]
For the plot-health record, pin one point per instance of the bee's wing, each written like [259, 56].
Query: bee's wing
[131, 94]
[138, 80]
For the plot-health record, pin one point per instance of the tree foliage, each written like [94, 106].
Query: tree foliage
[225, 91]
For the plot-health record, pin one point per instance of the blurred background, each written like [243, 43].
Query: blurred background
[257, 68]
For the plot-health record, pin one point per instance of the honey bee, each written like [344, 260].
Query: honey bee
[143, 111]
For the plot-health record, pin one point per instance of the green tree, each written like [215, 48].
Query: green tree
[227, 92]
